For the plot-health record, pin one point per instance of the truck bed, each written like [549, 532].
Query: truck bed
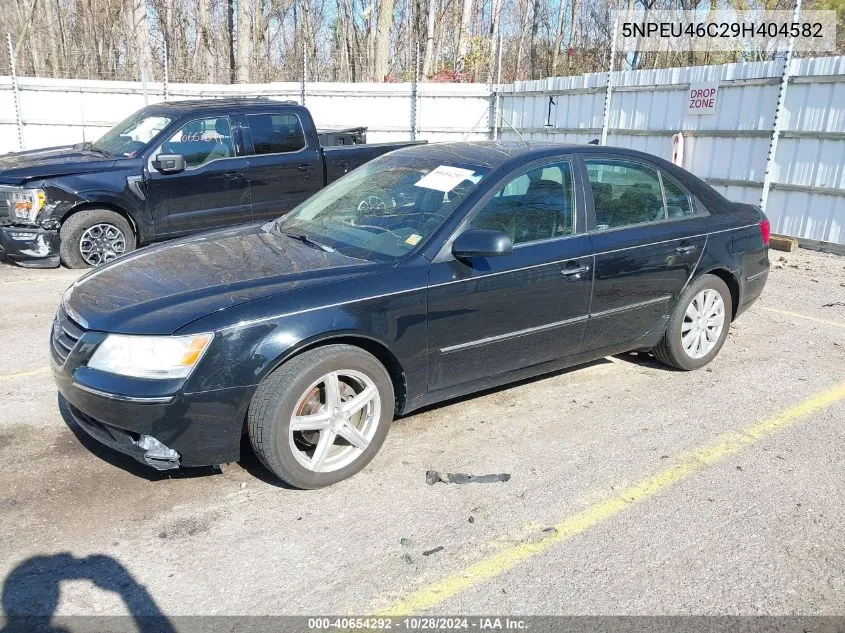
[340, 159]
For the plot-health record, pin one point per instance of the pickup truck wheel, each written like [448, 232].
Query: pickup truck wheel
[322, 416]
[93, 237]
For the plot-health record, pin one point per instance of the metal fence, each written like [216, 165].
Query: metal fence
[731, 148]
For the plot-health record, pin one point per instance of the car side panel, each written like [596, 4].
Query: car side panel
[115, 189]
[639, 273]
[392, 317]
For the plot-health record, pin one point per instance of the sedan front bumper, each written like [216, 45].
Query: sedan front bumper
[31, 247]
[197, 429]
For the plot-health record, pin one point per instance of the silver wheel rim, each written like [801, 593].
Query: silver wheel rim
[703, 323]
[334, 421]
[102, 243]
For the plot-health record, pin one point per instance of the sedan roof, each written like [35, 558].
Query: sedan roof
[493, 154]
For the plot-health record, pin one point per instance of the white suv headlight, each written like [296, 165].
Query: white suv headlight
[25, 204]
[150, 356]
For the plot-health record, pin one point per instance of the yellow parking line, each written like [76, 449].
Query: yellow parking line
[442, 590]
[804, 316]
[24, 374]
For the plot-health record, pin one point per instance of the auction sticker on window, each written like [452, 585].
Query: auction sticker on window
[444, 178]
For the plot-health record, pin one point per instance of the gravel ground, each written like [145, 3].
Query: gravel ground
[85, 530]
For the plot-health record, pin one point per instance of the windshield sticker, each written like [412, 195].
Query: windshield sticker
[444, 178]
[413, 239]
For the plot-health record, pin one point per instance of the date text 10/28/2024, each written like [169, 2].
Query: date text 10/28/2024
[421, 623]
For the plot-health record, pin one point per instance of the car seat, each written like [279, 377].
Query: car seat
[540, 211]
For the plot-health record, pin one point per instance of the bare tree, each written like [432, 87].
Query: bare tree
[137, 13]
[464, 32]
[244, 40]
[384, 24]
[431, 21]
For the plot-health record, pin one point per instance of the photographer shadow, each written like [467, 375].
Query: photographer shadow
[31, 596]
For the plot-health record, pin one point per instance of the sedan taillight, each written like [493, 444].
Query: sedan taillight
[766, 231]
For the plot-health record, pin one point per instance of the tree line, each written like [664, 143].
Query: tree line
[250, 41]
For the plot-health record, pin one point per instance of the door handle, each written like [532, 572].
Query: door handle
[574, 271]
[686, 250]
[303, 167]
[232, 175]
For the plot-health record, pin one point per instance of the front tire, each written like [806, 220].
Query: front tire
[698, 326]
[93, 237]
[322, 416]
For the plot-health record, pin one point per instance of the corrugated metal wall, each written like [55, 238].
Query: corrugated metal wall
[727, 148]
[61, 111]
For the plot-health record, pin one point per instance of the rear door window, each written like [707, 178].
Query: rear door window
[624, 193]
[276, 133]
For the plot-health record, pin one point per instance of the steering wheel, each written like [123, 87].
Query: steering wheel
[372, 203]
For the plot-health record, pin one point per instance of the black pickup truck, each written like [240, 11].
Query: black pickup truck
[168, 170]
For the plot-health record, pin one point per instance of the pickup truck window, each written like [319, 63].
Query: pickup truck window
[130, 135]
[384, 209]
[276, 133]
[201, 141]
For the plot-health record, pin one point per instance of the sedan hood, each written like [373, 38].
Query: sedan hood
[17, 168]
[163, 288]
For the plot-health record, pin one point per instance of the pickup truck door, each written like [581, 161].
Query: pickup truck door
[212, 190]
[284, 166]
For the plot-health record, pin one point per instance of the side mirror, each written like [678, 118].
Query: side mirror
[481, 243]
[169, 163]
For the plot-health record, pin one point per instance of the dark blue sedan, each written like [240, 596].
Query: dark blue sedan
[429, 273]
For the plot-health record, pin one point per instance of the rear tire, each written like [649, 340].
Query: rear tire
[698, 326]
[300, 421]
[93, 237]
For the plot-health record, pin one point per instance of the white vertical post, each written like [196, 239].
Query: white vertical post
[15, 90]
[414, 89]
[166, 69]
[144, 86]
[304, 72]
[498, 93]
[606, 118]
[773, 143]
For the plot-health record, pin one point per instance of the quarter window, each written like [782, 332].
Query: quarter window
[677, 201]
[536, 205]
[624, 193]
[201, 141]
[276, 133]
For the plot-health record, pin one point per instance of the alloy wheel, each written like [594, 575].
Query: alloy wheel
[101, 243]
[703, 323]
[334, 421]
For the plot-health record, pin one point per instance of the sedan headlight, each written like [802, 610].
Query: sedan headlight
[150, 356]
[25, 204]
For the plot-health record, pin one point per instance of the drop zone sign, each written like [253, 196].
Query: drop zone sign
[702, 98]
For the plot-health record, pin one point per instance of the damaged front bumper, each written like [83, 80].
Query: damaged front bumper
[144, 448]
[30, 246]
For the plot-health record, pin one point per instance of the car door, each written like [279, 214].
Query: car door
[283, 169]
[647, 239]
[490, 316]
[211, 191]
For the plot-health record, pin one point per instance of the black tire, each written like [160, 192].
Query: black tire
[75, 226]
[670, 351]
[272, 406]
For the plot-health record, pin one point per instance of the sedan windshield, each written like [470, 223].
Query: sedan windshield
[383, 209]
[131, 135]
